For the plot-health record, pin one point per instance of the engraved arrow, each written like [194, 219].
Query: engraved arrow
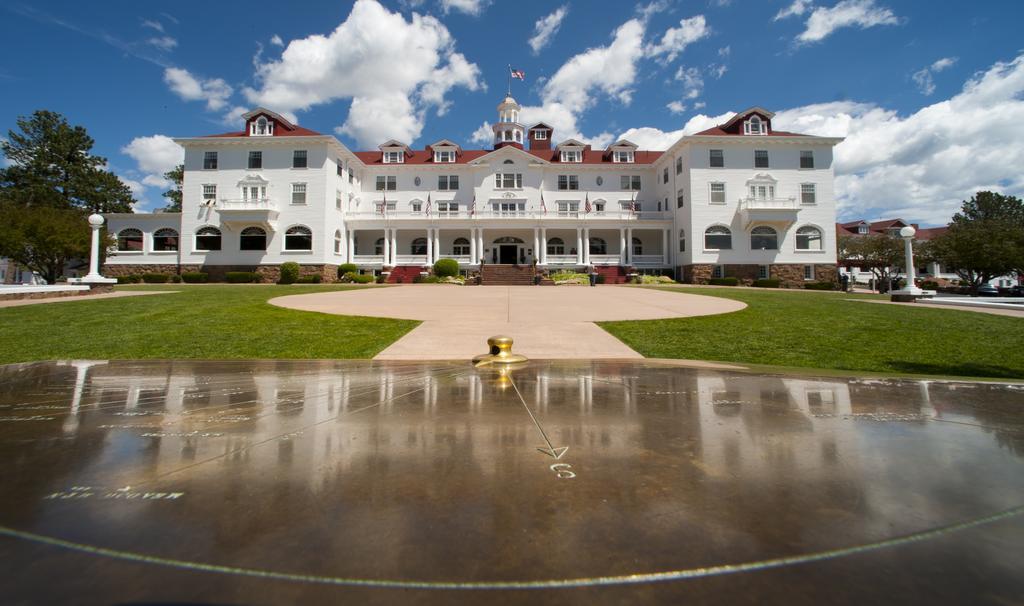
[551, 450]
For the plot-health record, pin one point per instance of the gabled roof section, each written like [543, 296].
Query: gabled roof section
[507, 150]
[423, 156]
[623, 144]
[392, 144]
[591, 156]
[540, 125]
[748, 112]
[444, 143]
[276, 117]
[571, 143]
[282, 128]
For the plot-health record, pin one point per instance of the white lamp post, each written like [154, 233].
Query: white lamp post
[910, 291]
[94, 277]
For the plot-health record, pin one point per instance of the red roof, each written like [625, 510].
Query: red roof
[590, 156]
[884, 226]
[927, 233]
[296, 131]
[717, 131]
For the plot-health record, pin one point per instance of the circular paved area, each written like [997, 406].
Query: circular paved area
[546, 323]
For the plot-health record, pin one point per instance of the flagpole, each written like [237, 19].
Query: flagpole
[509, 80]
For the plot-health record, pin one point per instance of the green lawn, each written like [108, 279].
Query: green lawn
[203, 321]
[829, 331]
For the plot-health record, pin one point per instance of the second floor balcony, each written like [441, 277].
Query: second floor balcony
[248, 211]
[617, 215]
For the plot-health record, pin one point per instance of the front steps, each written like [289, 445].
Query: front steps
[507, 275]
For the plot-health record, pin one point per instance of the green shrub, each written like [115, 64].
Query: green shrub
[124, 279]
[347, 268]
[767, 283]
[820, 286]
[357, 278]
[930, 285]
[381, 279]
[175, 278]
[155, 278]
[289, 273]
[656, 280]
[195, 277]
[724, 281]
[600, 279]
[311, 279]
[446, 267]
[241, 277]
[428, 279]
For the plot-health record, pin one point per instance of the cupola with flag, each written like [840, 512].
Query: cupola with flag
[508, 130]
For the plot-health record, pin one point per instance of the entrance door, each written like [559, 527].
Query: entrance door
[507, 254]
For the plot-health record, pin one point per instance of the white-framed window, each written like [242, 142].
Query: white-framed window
[807, 159]
[755, 126]
[679, 165]
[460, 247]
[556, 246]
[638, 246]
[572, 155]
[451, 208]
[210, 160]
[508, 208]
[763, 237]
[762, 192]
[300, 159]
[808, 193]
[808, 272]
[568, 182]
[763, 272]
[341, 169]
[165, 240]
[508, 181]
[629, 182]
[568, 208]
[261, 127]
[351, 175]
[680, 199]
[447, 182]
[416, 207]
[298, 237]
[255, 160]
[718, 237]
[808, 237]
[664, 175]
[252, 238]
[717, 193]
[540, 134]
[760, 158]
[394, 157]
[337, 199]
[682, 240]
[207, 239]
[387, 182]
[337, 241]
[209, 192]
[862, 229]
[718, 271]
[716, 158]
[298, 193]
[418, 246]
[623, 156]
[599, 206]
[625, 205]
[129, 240]
[444, 156]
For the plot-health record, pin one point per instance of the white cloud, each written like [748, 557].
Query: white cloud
[483, 135]
[546, 28]
[676, 107]
[848, 13]
[724, 52]
[676, 39]
[138, 189]
[699, 105]
[652, 138]
[153, 24]
[470, 7]
[923, 78]
[419, 64]
[276, 40]
[693, 82]
[164, 43]
[233, 117]
[214, 91]
[943, 63]
[799, 7]
[154, 155]
[646, 11]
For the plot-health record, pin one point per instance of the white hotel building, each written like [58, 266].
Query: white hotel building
[740, 199]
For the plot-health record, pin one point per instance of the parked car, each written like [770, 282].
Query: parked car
[1016, 291]
[987, 290]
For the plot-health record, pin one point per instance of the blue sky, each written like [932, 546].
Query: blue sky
[931, 101]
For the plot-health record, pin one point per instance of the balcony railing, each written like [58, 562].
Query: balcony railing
[537, 215]
[228, 204]
[368, 259]
[769, 204]
[410, 259]
[641, 260]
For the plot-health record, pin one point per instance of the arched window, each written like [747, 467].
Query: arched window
[598, 246]
[262, 127]
[460, 247]
[808, 238]
[755, 126]
[129, 240]
[419, 246]
[208, 238]
[252, 238]
[556, 246]
[378, 246]
[682, 240]
[718, 237]
[763, 237]
[508, 162]
[165, 239]
[638, 246]
[337, 242]
[298, 237]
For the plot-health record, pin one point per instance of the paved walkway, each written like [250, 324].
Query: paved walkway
[546, 322]
[69, 298]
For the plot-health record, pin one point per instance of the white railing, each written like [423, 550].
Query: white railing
[368, 259]
[769, 204]
[648, 260]
[238, 204]
[605, 259]
[538, 215]
[561, 259]
[462, 259]
[410, 259]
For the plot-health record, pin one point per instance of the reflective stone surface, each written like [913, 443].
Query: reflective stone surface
[274, 482]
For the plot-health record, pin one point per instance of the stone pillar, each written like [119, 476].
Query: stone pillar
[430, 245]
[473, 259]
[622, 246]
[586, 246]
[437, 244]
[95, 222]
[543, 246]
[579, 246]
[664, 246]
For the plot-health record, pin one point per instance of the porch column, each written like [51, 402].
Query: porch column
[543, 246]
[622, 246]
[437, 245]
[350, 253]
[664, 246]
[579, 246]
[394, 246]
[472, 246]
[480, 242]
[629, 246]
[586, 246]
[430, 245]
[536, 244]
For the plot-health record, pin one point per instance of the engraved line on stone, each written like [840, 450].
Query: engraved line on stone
[551, 450]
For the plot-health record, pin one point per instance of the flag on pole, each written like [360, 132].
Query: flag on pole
[543, 207]
[632, 204]
[517, 74]
[428, 204]
[586, 204]
[384, 205]
[472, 207]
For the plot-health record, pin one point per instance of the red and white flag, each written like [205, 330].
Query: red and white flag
[543, 207]
[518, 74]
[632, 204]
[586, 204]
[472, 207]
[428, 205]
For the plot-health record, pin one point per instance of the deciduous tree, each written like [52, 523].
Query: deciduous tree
[985, 240]
[881, 253]
[43, 237]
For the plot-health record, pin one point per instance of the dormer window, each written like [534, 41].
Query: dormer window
[755, 126]
[261, 127]
[572, 155]
[624, 156]
[394, 157]
[444, 156]
[540, 134]
[862, 229]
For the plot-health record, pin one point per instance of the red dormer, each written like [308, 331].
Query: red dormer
[540, 136]
[754, 121]
[262, 122]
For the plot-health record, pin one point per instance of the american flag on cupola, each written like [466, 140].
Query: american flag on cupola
[518, 74]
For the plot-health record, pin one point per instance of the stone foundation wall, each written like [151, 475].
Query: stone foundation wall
[119, 271]
[789, 275]
[697, 274]
[217, 273]
[826, 273]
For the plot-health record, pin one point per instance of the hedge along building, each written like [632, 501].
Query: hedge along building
[740, 199]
